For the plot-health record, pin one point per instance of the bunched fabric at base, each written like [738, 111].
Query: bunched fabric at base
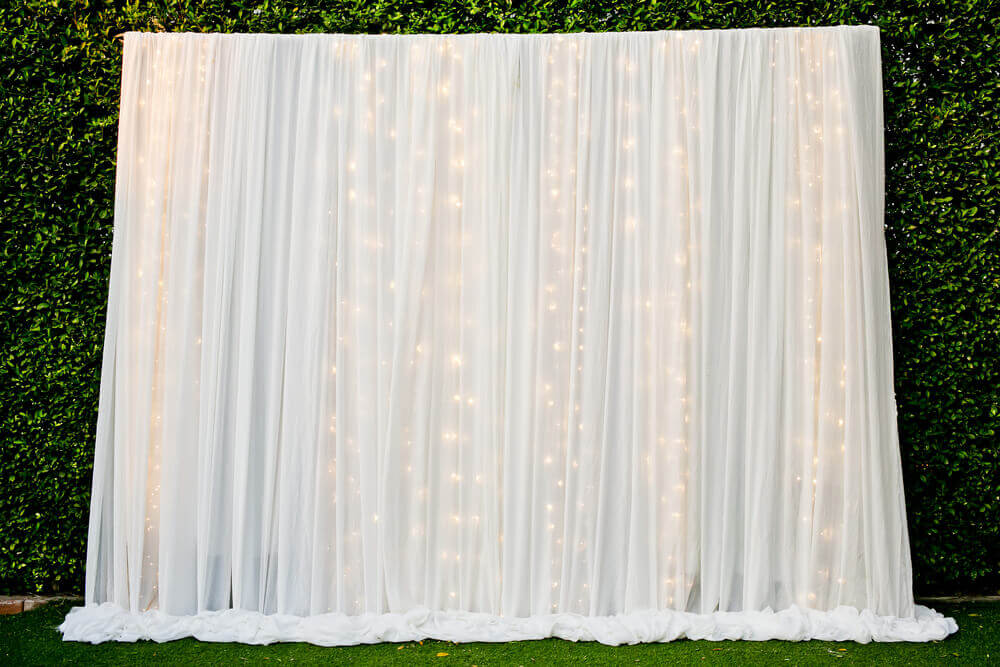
[499, 337]
[109, 621]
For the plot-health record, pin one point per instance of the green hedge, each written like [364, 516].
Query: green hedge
[58, 112]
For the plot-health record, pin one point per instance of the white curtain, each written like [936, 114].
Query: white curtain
[492, 337]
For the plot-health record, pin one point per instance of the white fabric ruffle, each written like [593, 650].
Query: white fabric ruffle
[110, 622]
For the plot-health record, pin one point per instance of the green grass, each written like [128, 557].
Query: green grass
[31, 638]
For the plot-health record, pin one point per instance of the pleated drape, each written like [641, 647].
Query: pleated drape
[519, 326]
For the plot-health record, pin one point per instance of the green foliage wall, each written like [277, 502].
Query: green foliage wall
[58, 113]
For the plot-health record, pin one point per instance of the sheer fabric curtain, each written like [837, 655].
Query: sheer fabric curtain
[492, 337]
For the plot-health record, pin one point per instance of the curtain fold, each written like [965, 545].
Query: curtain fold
[499, 337]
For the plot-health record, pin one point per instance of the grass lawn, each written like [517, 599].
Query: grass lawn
[31, 638]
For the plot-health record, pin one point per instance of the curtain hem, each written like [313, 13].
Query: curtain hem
[110, 622]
